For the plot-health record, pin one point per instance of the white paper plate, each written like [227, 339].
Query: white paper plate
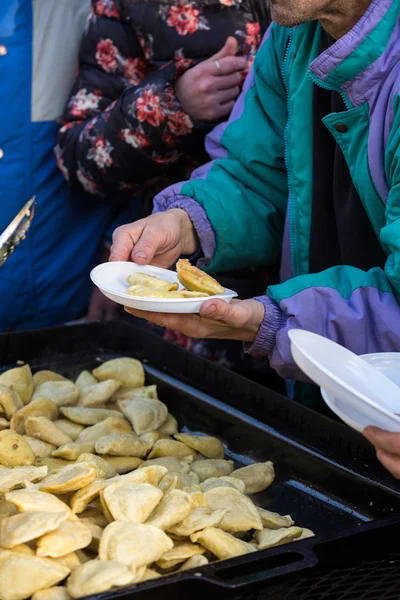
[356, 391]
[110, 278]
[387, 363]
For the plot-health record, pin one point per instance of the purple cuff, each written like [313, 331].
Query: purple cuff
[200, 222]
[273, 320]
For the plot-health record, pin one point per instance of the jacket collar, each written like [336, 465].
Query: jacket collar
[360, 47]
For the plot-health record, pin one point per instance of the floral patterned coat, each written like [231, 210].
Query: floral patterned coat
[123, 126]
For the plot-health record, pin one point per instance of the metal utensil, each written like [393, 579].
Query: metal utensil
[16, 231]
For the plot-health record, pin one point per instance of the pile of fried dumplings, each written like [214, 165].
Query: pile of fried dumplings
[98, 489]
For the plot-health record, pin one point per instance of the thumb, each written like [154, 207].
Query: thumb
[229, 49]
[218, 310]
[145, 248]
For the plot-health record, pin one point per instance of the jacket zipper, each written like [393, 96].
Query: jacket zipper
[324, 86]
[293, 254]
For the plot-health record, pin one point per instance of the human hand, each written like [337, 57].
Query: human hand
[159, 239]
[101, 308]
[207, 92]
[387, 448]
[239, 320]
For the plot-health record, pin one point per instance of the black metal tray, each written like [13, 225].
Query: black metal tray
[327, 476]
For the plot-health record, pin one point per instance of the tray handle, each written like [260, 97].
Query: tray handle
[255, 568]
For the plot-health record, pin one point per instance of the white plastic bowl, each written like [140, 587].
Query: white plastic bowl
[110, 278]
[361, 392]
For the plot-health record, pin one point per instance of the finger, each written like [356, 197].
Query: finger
[383, 440]
[229, 65]
[390, 462]
[224, 96]
[229, 49]
[223, 110]
[146, 246]
[124, 239]
[225, 82]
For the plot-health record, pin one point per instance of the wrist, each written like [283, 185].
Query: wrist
[189, 239]
[256, 319]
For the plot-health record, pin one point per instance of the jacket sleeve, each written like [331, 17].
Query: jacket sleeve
[359, 310]
[123, 123]
[237, 202]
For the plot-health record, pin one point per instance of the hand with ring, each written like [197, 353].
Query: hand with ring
[207, 92]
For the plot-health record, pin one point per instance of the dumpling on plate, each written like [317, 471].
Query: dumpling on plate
[148, 292]
[195, 280]
[198, 519]
[212, 467]
[144, 280]
[272, 520]
[181, 552]
[268, 538]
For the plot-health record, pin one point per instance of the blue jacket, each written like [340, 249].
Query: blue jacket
[46, 281]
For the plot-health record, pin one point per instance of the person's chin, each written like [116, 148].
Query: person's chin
[281, 16]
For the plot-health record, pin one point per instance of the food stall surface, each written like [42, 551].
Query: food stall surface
[326, 475]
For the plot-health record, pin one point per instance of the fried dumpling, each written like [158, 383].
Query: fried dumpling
[107, 427]
[20, 380]
[225, 481]
[181, 552]
[144, 280]
[174, 507]
[4, 424]
[21, 576]
[306, 533]
[197, 497]
[62, 393]
[149, 574]
[212, 468]
[69, 428]
[198, 519]
[89, 416]
[195, 280]
[187, 480]
[194, 562]
[12, 478]
[242, 514]
[145, 414]
[58, 592]
[145, 474]
[149, 292]
[39, 448]
[68, 479]
[93, 515]
[82, 497]
[170, 448]
[25, 527]
[98, 576]
[131, 502]
[169, 482]
[103, 469]
[44, 429]
[15, 450]
[271, 520]
[256, 477]
[170, 426]
[220, 543]
[73, 450]
[85, 379]
[152, 437]
[10, 401]
[128, 371]
[99, 393]
[35, 501]
[122, 444]
[52, 464]
[268, 538]
[42, 376]
[147, 391]
[36, 408]
[133, 544]
[122, 464]
[68, 537]
[210, 447]
[171, 463]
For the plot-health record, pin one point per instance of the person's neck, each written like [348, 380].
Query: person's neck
[342, 16]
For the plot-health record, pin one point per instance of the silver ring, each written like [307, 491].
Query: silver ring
[216, 62]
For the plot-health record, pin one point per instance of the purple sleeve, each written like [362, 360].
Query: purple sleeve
[273, 320]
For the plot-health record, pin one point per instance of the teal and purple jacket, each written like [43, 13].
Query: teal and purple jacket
[251, 205]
